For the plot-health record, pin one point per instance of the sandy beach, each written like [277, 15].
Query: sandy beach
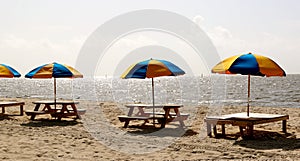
[85, 139]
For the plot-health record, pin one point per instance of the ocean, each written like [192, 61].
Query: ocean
[187, 90]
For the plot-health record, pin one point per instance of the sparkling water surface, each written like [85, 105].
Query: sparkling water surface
[187, 90]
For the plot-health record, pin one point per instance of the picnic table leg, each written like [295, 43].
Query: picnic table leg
[37, 106]
[251, 130]
[126, 123]
[21, 110]
[141, 112]
[61, 114]
[75, 111]
[215, 129]
[178, 115]
[130, 111]
[241, 130]
[3, 110]
[284, 126]
[223, 130]
[164, 121]
[208, 128]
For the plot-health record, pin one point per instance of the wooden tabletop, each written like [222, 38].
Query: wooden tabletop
[11, 103]
[243, 116]
[155, 106]
[57, 102]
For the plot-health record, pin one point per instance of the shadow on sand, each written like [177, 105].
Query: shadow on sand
[47, 122]
[5, 117]
[160, 132]
[265, 140]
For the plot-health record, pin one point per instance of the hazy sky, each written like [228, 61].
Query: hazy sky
[34, 32]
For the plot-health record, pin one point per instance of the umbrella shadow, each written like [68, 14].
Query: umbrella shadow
[161, 132]
[266, 140]
[6, 117]
[49, 123]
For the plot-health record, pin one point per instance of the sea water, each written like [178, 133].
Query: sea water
[187, 90]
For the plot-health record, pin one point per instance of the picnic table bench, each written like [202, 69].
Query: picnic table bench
[162, 117]
[127, 119]
[12, 103]
[63, 109]
[243, 121]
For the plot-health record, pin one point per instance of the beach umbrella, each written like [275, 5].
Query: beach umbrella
[249, 64]
[150, 69]
[54, 70]
[8, 72]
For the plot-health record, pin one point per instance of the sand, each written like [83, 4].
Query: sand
[99, 135]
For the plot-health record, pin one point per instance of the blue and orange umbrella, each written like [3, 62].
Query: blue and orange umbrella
[54, 70]
[8, 72]
[152, 68]
[249, 64]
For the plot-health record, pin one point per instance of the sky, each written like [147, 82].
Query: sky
[35, 32]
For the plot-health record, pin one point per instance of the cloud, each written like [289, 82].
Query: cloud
[225, 42]
[26, 52]
[223, 39]
[281, 47]
[199, 20]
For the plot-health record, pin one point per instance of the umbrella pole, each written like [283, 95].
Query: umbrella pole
[248, 95]
[153, 103]
[55, 94]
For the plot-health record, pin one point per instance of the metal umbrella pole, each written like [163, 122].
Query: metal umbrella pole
[153, 103]
[248, 95]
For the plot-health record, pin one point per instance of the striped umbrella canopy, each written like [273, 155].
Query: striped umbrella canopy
[8, 72]
[152, 68]
[249, 64]
[54, 70]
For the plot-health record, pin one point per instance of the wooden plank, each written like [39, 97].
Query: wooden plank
[127, 119]
[162, 113]
[11, 103]
[81, 111]
[124, 118]
[29, 113]
[241, 120]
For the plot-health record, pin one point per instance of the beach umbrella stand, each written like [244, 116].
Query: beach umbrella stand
[152, 68]
[249, 64]
[54, 70]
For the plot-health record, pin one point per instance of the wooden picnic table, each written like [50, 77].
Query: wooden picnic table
[162, 117]
[4, 104]
[243, 121]
[58, 109]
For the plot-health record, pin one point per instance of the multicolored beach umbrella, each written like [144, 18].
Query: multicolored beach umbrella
[8, 72]
[54, 70]
[152, 68]
[249, 64]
